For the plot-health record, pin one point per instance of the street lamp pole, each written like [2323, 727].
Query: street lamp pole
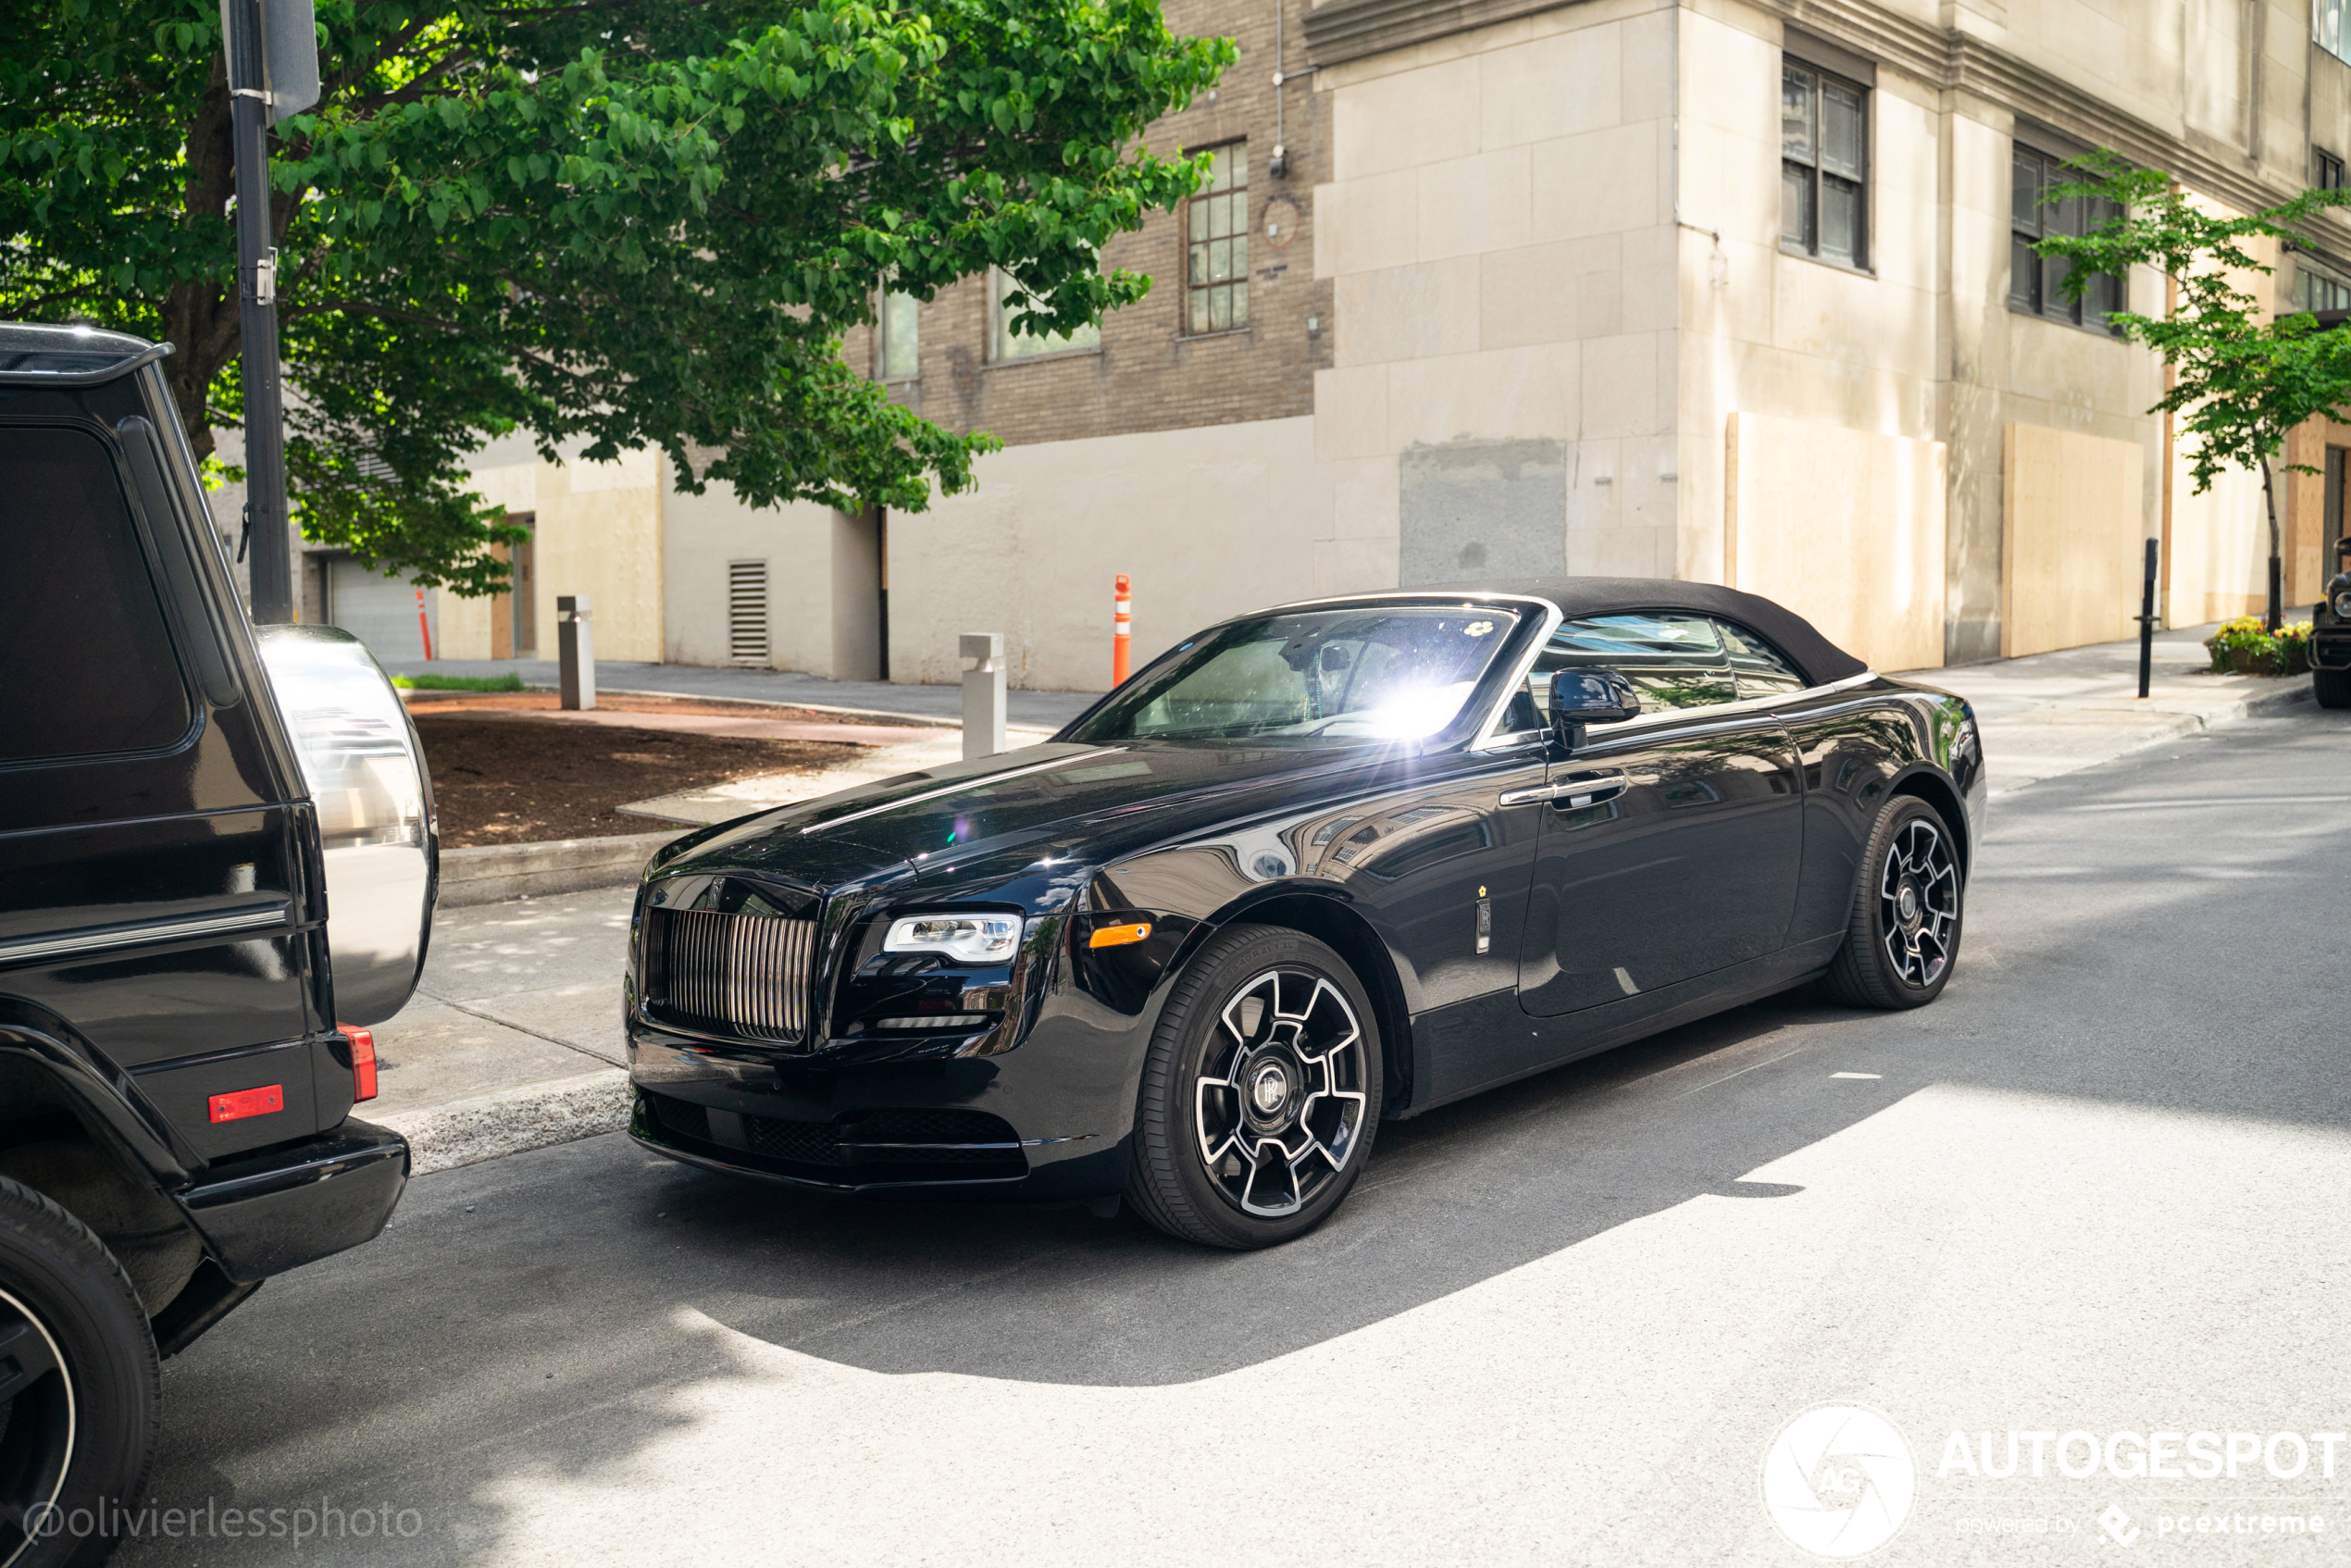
[273, 72]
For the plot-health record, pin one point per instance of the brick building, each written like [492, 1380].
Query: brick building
[1729, 290]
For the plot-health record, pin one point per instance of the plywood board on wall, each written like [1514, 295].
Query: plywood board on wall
[2308, 542]
[1844, 526]
[2072, 538]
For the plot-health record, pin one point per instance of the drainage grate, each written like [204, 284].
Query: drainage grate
[747, 614]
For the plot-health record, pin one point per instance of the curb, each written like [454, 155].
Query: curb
[494, 873]
[2149, 727]
[466, 1132]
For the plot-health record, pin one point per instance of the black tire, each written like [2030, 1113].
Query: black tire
[1899, 951]
[2331, 686]
[1280, 1031]
[66, 1303]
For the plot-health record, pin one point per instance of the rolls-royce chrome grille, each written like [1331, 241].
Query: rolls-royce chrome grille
[732, 974]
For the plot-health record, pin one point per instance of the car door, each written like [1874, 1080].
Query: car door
[1673, 843]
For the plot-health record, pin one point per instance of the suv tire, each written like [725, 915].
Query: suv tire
[84, 1354]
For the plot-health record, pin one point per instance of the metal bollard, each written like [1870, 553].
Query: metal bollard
[983, 654]
[2146, 620]
[575, 650]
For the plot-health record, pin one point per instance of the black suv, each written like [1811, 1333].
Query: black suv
[180, 1049]
[2330, 636]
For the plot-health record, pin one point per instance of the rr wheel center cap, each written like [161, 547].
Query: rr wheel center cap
[1906, 903]
[1268, 1089]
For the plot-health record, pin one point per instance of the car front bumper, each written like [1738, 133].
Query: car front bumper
[1047, 1120]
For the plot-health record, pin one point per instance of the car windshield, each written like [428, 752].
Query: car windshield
[1382, 673]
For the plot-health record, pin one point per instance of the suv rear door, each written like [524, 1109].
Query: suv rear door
[151, 864]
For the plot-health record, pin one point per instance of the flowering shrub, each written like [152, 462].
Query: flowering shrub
[2245, 646]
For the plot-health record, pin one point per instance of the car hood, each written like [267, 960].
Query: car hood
[982, 820]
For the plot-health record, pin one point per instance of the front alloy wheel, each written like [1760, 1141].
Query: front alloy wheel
[1261, 1092]
[1280, 1097]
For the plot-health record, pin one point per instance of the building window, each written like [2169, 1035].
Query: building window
[2326, 169]
[2314, 291]
[1824, 166]
[1006, 346]
[2327, 28]
[2033, 278]
[897, 320]
[1216, 263]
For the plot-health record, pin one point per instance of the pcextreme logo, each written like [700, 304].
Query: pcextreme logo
[1838, 1481]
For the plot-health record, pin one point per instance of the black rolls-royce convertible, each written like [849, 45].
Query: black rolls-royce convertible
[1336, 861]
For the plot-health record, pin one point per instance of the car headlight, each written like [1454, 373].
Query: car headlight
[2343, 603]
[973, 939]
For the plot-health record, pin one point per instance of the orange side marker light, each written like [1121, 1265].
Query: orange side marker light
[1119, 936]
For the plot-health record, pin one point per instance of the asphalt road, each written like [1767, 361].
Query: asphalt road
[2101, 1187]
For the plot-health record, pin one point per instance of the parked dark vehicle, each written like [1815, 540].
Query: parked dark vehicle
[2331, 637]
[179, 1051]
[1329, 863]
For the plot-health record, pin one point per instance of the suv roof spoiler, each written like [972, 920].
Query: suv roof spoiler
[36, 354]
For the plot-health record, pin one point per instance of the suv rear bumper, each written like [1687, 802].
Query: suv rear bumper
[285, 1207]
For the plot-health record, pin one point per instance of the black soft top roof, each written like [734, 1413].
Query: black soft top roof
[1577, 597]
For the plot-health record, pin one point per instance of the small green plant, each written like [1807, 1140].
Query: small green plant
[509, 682]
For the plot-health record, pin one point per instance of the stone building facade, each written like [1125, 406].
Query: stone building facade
[1728, 290]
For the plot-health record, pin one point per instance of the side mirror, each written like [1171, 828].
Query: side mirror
[1589, 696]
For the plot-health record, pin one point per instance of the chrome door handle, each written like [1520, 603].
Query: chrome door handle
[1574, 792]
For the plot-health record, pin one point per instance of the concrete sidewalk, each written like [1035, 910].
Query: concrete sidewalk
[513, 1039]
[1042, 710]
[2052, 713]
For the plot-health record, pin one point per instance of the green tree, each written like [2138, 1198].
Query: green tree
[625, 223]
[2243, 378]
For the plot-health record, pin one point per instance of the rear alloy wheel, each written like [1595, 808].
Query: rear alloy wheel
[2331, 686]
[1903, 936]
[79, 1388]
[1261, 1093]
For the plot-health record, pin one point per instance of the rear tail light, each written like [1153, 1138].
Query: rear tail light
[363, 1062]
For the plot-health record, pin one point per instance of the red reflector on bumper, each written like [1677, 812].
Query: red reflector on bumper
[248, 1102]
[363, 1062]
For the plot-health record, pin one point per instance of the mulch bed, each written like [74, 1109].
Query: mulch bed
[423, 702]
[498, 781]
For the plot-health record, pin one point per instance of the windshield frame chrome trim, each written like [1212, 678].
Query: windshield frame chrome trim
[1488, 738]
